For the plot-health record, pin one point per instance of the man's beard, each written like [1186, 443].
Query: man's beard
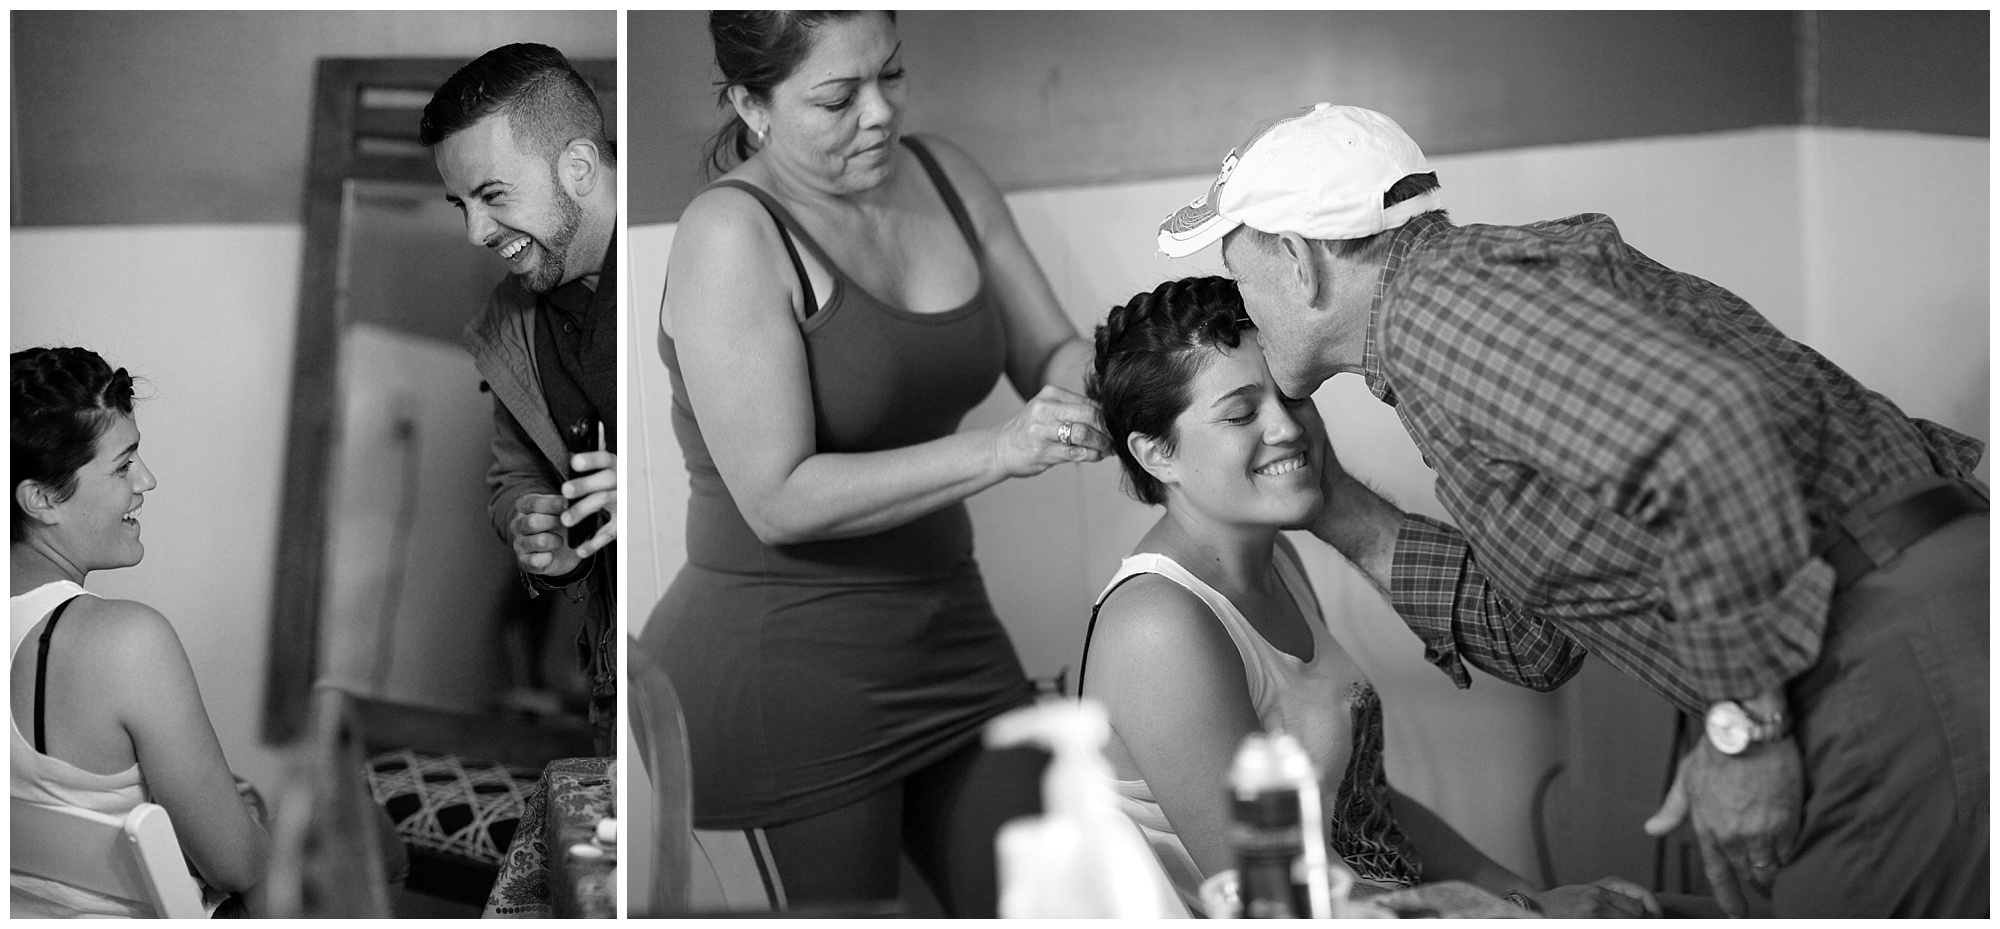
[549, 272]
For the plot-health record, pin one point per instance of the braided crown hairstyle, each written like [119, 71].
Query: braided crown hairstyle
[63, 400]
[758, 50]
[1148, 353]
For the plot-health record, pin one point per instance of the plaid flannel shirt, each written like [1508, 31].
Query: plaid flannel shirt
[1637, 460]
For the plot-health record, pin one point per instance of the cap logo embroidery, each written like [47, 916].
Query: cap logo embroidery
[1228, 165]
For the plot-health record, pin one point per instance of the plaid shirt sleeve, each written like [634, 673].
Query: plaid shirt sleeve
[1958, 453]
[1438, 589]
[1553, 364]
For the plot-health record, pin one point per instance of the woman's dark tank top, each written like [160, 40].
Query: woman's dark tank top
[882, 377]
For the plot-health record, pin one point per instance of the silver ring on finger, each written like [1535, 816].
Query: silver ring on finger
[1062, 435]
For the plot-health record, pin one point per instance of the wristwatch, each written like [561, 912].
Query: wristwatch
[1732, 729]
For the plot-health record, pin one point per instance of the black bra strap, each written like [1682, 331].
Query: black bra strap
[810, 303]
[1084, 668]
[42, 671]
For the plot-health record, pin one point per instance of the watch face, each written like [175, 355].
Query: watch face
[1728, 728]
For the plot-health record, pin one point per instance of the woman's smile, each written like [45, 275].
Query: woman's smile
[1290, 464]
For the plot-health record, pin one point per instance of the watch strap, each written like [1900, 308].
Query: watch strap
[1760, 728]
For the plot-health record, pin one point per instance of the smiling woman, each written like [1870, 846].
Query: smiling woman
[117, 718]
[1210, 630]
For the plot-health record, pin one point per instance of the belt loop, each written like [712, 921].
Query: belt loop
[1861, 527]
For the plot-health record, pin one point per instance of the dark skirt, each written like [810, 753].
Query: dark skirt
[802, 697]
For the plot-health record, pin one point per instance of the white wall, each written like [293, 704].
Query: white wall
[1899, 269]
[1775, 215]
[203, 315]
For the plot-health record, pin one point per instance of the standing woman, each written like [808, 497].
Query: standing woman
[835, 304]
[106, 694]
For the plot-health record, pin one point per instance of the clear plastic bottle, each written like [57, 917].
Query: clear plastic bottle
[1082, 858]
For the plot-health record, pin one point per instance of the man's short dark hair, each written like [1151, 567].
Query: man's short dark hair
[1372, 247]
[547, 103]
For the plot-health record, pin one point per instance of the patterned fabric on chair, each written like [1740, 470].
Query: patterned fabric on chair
[456, 816]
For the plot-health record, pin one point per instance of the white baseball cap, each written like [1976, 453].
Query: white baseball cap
[1320, 171]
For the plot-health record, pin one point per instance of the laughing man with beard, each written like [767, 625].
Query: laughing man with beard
[520, 144]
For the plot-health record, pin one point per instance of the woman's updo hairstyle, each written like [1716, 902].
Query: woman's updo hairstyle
[757, 50]
[1148, 353]
[63, 400]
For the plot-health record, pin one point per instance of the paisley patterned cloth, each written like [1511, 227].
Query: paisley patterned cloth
[538, 883]
[1363, 828]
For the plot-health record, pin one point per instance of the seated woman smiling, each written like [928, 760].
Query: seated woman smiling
[1210, 630]
[116, 717]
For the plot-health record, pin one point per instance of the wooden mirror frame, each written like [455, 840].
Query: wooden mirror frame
[352, 139]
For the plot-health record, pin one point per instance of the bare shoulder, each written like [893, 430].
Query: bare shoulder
[966, 175]
[723, 215]
[130, 644]
[1152, 618]
[117, 626]
[129, 649]
[948, 153]
[719, 270]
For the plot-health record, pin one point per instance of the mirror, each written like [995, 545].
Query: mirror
[409, 464]
[391, 583]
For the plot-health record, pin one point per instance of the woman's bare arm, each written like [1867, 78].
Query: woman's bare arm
[1173, 683]
[730, 298]
[160, 707]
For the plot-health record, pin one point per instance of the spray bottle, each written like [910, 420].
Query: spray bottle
[1082, 857]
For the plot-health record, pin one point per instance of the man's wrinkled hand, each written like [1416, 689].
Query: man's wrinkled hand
[594, 490]
[1744, 810]
[540, 544]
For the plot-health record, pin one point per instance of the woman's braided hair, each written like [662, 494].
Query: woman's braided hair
[1148, 353]
[63, 400]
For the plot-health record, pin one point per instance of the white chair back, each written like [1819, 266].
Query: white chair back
[136, 857]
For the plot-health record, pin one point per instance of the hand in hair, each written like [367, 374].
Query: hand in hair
[1033, 440]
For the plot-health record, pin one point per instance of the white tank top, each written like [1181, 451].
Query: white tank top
[1312, 700]
[52, 781]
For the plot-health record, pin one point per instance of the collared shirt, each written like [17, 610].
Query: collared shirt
[1639, 460]
[577, 356]
[576, 360]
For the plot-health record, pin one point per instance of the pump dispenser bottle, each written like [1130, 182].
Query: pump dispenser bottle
[1082, 858]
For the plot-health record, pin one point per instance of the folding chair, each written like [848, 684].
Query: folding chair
[136, 857]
